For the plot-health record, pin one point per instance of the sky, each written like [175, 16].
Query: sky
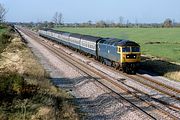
[141, 11]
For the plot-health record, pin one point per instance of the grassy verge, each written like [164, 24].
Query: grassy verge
[25, 89]
[5, 36]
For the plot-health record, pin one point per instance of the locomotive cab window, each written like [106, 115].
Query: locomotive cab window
[126, 49]
[119, 49]
[135, 49]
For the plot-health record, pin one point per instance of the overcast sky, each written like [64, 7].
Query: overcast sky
[144, 11]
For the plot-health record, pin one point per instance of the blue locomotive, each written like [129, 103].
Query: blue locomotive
[122, 54]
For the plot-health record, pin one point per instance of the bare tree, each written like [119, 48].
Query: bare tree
[174, 23]
[127, 23]
[136, 23]
[3, 12]
[121, 20]
[60, 18]
[57, 19]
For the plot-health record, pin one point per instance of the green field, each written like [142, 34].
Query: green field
[159, 42]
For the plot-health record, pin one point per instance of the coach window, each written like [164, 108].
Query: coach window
[58, 36]
[91, 46]
[84, 44]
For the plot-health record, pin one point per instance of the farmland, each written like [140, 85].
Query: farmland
[160, 42]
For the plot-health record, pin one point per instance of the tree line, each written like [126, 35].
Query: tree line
[167, 23]
[57, 21]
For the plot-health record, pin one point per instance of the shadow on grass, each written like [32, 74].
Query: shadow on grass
[159, 67]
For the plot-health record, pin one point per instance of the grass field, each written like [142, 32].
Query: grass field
[159, 42]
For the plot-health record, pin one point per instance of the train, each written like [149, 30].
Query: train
[122, 54]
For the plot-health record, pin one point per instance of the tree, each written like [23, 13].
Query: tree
[89, 22]
[127, 23]
[174, 23]
[121, 19]
[60, 17]
[3, 12]
[167, 23]
[136, 23]
[45, 24]
[57, 19]
[101, 23]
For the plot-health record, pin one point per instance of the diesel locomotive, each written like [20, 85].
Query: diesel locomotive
[122, 54]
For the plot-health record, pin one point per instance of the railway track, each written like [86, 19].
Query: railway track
[154, 84]
[102, 77]
[163, 88]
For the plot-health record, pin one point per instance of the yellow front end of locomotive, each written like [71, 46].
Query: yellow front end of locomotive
[130, 54]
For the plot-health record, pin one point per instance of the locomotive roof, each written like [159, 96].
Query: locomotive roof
[127, 43]
[90, 38]
[119, 42]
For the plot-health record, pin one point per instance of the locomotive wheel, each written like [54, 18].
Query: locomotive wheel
[101, 60]
[124, 69]
[133, 69]
[128, 70]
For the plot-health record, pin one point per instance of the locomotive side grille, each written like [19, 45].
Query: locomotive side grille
[131, 56]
